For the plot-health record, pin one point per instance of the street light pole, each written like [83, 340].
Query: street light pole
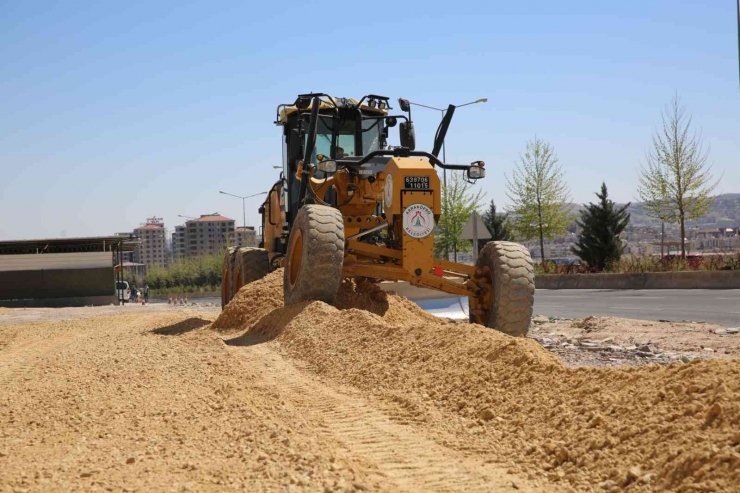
[442, 114]
[244, 207]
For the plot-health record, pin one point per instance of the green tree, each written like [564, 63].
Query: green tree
[497, 224]
[458, 202]
[540, 199]
[601, 224]
[675, 182]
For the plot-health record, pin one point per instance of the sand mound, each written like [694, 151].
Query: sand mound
[252, 302]
[259, 298]
[672, 428]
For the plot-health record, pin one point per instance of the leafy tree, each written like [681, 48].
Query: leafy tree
[540, 199]
[601, 224]
[458, 202]
[675, 182]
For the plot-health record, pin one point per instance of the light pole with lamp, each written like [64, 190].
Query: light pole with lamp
[244, 207]
[442, 112]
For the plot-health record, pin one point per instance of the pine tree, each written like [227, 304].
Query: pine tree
[601, 223]
[496, 224]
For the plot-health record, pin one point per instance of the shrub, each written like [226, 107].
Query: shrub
[639, 265]
[188, 273]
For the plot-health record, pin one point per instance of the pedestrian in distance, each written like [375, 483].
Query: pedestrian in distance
[146, 292]
[134, 294]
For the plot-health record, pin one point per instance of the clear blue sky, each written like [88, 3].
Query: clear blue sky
[115, 111]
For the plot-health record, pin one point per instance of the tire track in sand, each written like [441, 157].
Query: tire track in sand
[17, 359]
[402, 454]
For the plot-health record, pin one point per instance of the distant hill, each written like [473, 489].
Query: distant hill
[725, 212]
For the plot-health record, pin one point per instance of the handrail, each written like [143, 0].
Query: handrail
[401, 152]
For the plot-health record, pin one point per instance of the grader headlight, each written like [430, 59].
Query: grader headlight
[327, 166]
[475, 172]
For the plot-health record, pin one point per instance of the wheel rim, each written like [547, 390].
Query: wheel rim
[295, 258]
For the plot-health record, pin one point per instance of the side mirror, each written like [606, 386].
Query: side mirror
[408, 135]
[404, 104]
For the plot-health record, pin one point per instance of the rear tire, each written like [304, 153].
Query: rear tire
[250, 264]
[313, 270]
[512, 278]
[226, 276]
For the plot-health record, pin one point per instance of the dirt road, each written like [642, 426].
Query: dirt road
[369, 395]
[141, 402]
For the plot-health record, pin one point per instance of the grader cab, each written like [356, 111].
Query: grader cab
[348, 205]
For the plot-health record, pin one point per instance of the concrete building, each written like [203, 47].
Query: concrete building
[178, 243]
[61, 271]
[245, 237]
[207, 235]
[641, 249]
[153, 243]
[127, 256]
[720, 239]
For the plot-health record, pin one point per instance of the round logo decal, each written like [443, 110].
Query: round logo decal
[418, 221]
[389, 190]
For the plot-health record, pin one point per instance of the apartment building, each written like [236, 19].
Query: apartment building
[245, 237]
[718, 239]
[178, 243]
[206, 235]
[153, 243]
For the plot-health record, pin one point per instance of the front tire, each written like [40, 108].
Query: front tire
[226, 276]
[313, 270]
[250, 264]
[512, 278]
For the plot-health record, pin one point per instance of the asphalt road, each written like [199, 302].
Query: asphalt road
[721, 307]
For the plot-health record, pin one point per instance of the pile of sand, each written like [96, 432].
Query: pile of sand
[671, 428]
[252, 302]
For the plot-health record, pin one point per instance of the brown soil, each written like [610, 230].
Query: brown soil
[373, 394]
[154, 401]
[660, 428]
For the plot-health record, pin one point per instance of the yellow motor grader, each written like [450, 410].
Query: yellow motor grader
[348, 205]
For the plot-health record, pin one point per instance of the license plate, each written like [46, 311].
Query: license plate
[416, 182]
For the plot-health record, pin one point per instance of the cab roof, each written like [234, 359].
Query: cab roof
[285, 110]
